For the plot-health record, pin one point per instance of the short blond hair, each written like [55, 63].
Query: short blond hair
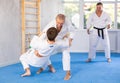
[60, 16]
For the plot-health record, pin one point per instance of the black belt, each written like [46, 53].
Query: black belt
[100, 29]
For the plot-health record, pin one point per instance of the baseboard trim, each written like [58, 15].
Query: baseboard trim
[8, 63]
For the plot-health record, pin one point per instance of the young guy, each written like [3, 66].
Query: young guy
[38, 55]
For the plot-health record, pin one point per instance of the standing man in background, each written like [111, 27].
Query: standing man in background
[64, 28]
[100, 21]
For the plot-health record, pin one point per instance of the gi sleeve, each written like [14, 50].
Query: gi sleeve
[34, 42]
[44, 35]
[62, 44]
[89, 22]
[72, 30]
[108, 20]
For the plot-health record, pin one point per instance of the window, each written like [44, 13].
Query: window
[71, 10]
[71, 0]
[90, 7]
[99, 0]
[118, 15]
[91, 0]
[109, 8]
[75, 9]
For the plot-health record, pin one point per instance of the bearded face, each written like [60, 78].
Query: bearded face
[59, 24]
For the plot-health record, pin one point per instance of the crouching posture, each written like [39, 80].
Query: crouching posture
[39, 53]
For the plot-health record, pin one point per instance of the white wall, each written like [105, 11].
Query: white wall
[81, 42]
[10, 35]
[10, 27]
[10, 30]
[118, 41]
[49, 10]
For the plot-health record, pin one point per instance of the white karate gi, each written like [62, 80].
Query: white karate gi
[66, 28]
[44, 49]
[99, 22]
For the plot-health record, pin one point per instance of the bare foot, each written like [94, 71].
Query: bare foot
[52, 69]
[26, 74]
[68, 75]
[39, 71]
[88, 60]
[109, 60]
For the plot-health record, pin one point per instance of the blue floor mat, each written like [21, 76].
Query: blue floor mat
[97, 71]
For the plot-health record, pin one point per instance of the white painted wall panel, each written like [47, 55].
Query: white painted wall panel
[10, 31]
